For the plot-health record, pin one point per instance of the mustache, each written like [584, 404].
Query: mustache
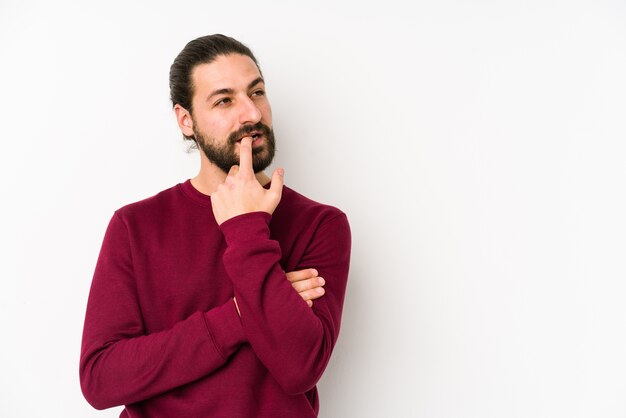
[246, 129]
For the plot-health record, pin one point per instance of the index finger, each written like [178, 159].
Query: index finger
[245, 156]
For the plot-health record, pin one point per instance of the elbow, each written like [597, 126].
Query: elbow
[302, 373]
[96, 403]
[298, 380]
[93, 392]
[92, 396]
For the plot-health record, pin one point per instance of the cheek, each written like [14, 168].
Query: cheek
[216, 127]
[266, 110]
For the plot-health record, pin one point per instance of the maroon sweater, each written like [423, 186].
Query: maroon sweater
[162, 334]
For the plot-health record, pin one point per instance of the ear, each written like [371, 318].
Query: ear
[185, 122]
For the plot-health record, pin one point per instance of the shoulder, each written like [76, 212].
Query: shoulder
[296, 203]
[152, 206]
[310, 233]
[297, 208]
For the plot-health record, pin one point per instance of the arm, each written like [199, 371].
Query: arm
[119, 364]
[292, 340]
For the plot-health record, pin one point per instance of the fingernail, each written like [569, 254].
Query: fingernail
[320, 290]
[322, 282]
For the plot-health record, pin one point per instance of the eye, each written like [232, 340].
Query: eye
[258, 93]
[223, 102]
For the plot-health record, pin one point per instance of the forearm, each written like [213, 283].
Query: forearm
[292, 340]
[124, 368]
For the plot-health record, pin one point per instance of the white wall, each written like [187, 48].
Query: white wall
[477, 147]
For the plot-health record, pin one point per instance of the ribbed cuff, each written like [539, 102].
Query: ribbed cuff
[225, 328]
[249, 226]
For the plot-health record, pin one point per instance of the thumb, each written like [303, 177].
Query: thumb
[278, 179]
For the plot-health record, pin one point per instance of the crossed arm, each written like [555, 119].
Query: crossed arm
[121, 365]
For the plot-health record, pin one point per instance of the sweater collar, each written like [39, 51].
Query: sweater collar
[198, 197]
[191, 192]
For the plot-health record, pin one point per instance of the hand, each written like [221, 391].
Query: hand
[308, 284]
[241, 192]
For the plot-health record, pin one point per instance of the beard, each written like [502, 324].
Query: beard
[224, 156]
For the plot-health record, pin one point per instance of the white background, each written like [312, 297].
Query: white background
[477, 148]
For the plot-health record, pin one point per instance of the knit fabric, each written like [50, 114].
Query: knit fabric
[162, 334]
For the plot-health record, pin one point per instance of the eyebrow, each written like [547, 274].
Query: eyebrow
[231, 91]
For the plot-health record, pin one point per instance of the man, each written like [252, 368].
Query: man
[191, 313]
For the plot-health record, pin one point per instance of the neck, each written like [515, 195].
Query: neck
[210, 176]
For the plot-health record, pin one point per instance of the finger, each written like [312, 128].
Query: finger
[245, 156]
[312, 294]
[310, 303]
[295, 276]
[278, 179]
[233, 170]
[308, 284]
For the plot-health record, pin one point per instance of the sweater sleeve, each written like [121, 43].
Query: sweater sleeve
[119, 363]
[292, 340]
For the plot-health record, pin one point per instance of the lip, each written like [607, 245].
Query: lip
[251, 134]
[256, 142]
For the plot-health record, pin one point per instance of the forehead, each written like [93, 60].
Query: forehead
[226, 72]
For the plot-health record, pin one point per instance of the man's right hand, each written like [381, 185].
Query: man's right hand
[308, 284]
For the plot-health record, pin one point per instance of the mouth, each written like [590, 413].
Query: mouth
[254, 135]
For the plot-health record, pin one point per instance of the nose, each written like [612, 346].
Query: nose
[250, 113]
